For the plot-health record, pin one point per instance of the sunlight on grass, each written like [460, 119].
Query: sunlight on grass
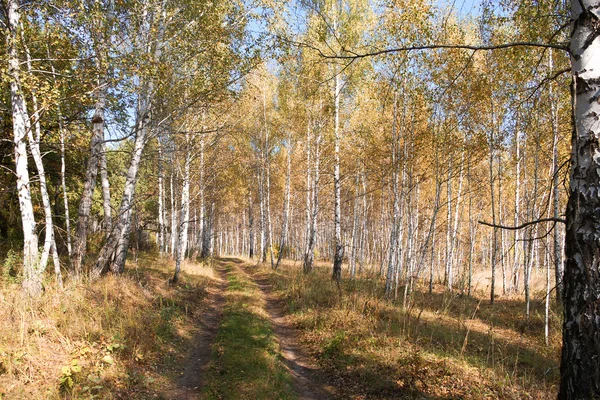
[444, 345]
[246, 362]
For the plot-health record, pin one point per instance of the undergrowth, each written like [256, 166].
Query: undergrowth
[443, 345]
[117, 337]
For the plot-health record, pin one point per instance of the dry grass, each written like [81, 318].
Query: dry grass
[246, 362]
[117, 337]
[444, 345]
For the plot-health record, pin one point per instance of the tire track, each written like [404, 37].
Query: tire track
[305, 376]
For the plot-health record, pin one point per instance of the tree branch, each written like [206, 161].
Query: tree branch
[354, 56]
[514, 228]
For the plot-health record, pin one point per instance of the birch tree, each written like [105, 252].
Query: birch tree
[32, 271]
[579, 368]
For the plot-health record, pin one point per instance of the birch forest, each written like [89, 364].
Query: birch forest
[307, 199]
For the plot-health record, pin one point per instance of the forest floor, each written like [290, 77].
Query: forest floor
[233, 329]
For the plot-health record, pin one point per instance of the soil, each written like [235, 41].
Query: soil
[191, 382]
[306, 376]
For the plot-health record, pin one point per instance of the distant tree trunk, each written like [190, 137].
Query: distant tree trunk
[207, 241]
[518, 247]
[454, 237]
[263, 217]
[579, 368]
[173, 218]
[250, 226]
[286, 202]
[268, 206]
[308, 192]
[393, 250]
[431, 232]
[355, 229]
[558, 262]
[184, 216]
[63, 183]
[447, 266]
[32, 273]
[312, 237]
[493, 203]
[363, 233]
[200, 240]
[339, 246]
[161, 200]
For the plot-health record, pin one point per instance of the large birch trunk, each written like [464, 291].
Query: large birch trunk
[580, 369]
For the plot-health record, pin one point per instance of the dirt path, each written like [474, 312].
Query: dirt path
[305, 377]
[191, 381]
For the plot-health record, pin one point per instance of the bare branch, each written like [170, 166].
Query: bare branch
[514, 228]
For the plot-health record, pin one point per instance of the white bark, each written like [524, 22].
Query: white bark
[339, 246]
[34, 145]
[105, 191]
[161, 201]
[286, 205]
[184, 215]
[32, 273]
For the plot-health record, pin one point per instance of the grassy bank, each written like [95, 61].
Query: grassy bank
[443, 345]
[117, 337]
[246, 362]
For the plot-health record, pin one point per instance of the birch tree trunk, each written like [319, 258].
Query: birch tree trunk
[312, 237]
[34, 145]
[114, 252]
[286, 207]
[339, 246]
[493, 206]
[355, 238]
[32, 273]
[392, 255]
[250, 227]
[63, 183]
[184, 216]
[85, 203]
[173, 219]
[558, 262]
[263, 214]
[161, 200]
[579, 368]
[105, 191]
[200, 238]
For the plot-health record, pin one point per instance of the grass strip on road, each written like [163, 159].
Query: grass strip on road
[246, 360]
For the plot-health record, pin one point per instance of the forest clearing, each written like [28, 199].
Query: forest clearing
[307, 199]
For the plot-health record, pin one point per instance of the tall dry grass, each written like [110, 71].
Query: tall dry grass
[116, 337]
